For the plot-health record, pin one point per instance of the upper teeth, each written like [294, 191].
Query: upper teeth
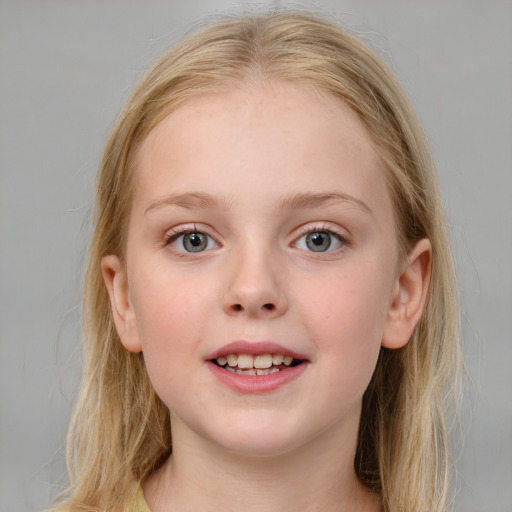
[247, 361]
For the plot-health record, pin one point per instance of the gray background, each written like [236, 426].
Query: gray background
[65, 69]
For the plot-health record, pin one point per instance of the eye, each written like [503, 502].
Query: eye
[192, 241]
[320, 241]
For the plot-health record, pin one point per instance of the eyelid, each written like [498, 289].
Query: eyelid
[337, 231]
[174, 233]
[327, 227]
[323, 226]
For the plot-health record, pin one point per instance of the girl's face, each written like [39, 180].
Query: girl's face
[262, 231]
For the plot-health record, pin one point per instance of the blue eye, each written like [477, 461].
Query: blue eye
[193, 241]
[320, 241]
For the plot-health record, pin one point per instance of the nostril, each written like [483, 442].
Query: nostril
[237, 308]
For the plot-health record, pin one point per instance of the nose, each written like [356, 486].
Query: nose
[255, 287]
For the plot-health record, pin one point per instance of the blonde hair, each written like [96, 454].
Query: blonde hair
[120, 429]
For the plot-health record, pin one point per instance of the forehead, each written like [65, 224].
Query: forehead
[252, 104]
[252, 139]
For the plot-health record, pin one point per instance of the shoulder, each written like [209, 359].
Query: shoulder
[137, 504]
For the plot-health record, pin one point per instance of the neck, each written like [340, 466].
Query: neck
[201, 476]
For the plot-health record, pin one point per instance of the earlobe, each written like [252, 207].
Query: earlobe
[409, 297]
[114, 275]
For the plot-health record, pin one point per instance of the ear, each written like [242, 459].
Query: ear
[409, 297]
[114, 275]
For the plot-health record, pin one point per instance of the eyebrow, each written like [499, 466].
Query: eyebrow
[296, 201]
[306, 200]
[189, 201]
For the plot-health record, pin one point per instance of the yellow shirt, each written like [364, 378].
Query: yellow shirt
[139, 503]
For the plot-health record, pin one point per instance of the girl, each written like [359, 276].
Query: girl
[269, 301]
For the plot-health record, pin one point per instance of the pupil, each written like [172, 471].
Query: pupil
[319, 241]
[195, 242]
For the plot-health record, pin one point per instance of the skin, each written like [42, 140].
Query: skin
[255, 151]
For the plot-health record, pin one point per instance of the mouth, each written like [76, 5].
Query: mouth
[256, 364]
[251, 367]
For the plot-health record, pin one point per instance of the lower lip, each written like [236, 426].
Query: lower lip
[254, 384]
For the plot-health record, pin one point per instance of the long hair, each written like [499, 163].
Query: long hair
[120, 429]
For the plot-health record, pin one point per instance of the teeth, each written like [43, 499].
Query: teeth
[232, 360]
[267, 371]
[261, 364]
[264, 361]
[277, 359]
[252, 371]
[245, 361]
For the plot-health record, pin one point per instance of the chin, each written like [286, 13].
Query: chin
[260, 448]
[257, 440]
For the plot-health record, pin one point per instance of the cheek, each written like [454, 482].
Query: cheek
[346, 316]
[355, 300]
[167, 304]
[171, 317]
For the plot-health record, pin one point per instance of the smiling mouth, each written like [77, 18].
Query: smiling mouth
[261, 364]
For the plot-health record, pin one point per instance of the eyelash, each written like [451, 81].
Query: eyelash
[175, 234]
[323, 228]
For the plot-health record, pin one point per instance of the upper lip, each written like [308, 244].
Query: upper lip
[254, 348]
